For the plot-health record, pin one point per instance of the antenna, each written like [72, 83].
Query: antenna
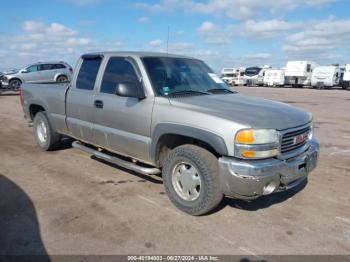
[167, 41]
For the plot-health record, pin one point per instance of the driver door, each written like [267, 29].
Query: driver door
[122, 124]
[31, 74]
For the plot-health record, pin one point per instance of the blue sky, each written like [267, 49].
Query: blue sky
[221, 32]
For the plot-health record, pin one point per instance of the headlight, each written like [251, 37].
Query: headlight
[257, 143]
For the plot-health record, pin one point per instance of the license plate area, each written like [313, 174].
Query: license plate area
[300, 169]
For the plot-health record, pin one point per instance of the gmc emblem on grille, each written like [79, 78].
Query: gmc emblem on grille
[300, 139]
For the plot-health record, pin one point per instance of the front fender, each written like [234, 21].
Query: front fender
[214, 140]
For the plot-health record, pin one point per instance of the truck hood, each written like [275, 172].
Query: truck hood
[246, 110]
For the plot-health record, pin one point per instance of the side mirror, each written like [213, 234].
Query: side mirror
[24, 71]
[130, 89]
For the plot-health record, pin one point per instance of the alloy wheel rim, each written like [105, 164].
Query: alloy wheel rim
[16, 84]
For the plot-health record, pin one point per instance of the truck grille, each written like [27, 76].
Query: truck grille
[294, 139]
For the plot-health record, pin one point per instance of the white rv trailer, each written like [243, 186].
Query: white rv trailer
[298, 73]
[325, 76]
[345, 82]
[233, 76]
[254, 76]
[274, 77]
[251, 75]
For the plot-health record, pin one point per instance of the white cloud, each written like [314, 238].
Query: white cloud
[213, 34]
[268, 28]
[56, 29]
[39, 41]
[235, 9]
[143, 20]
[155, 43]
[32, 26]
[320, 37]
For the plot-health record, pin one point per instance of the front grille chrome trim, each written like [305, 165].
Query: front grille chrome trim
[287, 148]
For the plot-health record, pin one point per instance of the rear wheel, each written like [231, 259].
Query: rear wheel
[191, 179]
[45, 136]
[15, 84]
[62, 79]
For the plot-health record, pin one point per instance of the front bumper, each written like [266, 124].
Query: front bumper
[249, 179]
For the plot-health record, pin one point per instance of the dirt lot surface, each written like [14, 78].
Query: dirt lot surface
[65, 202]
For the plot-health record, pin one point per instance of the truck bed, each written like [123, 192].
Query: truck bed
[51, 97]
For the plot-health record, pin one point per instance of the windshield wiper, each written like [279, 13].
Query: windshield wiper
[189, 92]
[220, 90]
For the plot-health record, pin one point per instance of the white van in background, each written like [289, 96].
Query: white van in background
[274, 77]
[233, 76]
[345, 82]
[298, 73]
[326, 76]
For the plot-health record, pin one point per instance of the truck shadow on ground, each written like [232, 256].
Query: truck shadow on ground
[262, 202]
[19, 225]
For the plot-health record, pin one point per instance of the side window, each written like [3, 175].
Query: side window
[33, 68]
[88, 73]
[59, 66]
[45, 67]
[308, 68]
[118, 70]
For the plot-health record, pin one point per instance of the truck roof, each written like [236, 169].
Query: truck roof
[138, 54]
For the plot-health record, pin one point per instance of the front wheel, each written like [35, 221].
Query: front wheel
[45, 136]
[191, 179]
[15, 84]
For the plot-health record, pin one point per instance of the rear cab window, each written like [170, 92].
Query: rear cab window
[88, 72]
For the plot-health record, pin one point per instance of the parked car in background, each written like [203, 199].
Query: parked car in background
[42, 72]
[274, 77]
[326, 76]
[233, 76]
[161, 113]
[299, 73]
[345, 82]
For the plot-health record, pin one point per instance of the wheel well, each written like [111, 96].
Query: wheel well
[34, 109]
[168, 142]
[15, 78]
[61, 75]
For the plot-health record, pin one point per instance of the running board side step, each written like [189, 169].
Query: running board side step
[116, 160]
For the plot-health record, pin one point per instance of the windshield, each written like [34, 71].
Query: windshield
[229, 75]
[252, 71]
[171, 75]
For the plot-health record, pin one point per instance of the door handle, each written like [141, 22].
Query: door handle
[98, 103]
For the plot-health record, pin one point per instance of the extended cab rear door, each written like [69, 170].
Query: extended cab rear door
[80, 106]
[122, 124]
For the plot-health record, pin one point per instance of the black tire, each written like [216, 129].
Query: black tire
[210, 194]
[52, 138]
[62, 79]
[15, 84]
